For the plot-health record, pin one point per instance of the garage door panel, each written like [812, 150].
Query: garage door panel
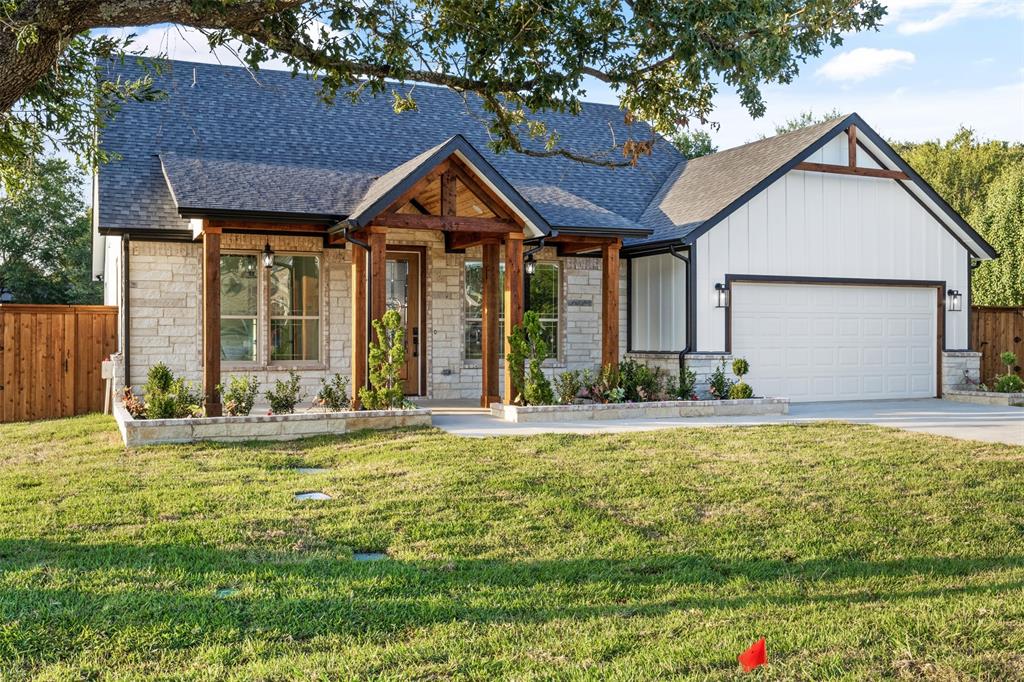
[829, 342]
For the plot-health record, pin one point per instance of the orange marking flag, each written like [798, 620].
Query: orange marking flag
[754, 656]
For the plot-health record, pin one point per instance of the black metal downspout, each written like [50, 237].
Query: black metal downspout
[689, 306]
[126, 314]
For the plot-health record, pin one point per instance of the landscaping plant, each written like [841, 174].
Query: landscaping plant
[685, 384]
[718, 383]
[333, 395]
[168, 397]
[567, 386]
[527, 351]
[285, 395]
[133, 404]
[1009, 382]
[240, 395]
[604, 387]
[740, 390]
[387, 356]
[639, 382]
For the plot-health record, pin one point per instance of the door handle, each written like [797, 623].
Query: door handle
[415, 342]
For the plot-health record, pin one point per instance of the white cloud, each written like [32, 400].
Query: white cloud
[923, 16]
[864, 62]
[187, 44]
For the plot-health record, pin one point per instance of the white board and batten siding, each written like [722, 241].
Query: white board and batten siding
[809, 224]
[659, 303]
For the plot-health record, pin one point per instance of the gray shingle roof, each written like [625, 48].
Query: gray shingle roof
[234, 123]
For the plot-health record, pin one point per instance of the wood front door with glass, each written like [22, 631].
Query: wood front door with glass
[403, 295]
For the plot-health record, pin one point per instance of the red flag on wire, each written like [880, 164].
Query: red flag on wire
[754, 656]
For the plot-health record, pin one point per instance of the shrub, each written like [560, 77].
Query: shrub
[167, 397]
[604, 387]
[639, 382]
[740, 367]
[740, 391]
[333, 395]
[718, 383]
[567, 386]
[136, 408]
[240, 395]
[1008, 383]
[685, 384]
[527, 352]
[387, 356]
[1009, 359]
[285, 395]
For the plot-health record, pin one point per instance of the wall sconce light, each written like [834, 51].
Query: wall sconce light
[531, 265]
[954, 301]
[722, 296]
[268, 256]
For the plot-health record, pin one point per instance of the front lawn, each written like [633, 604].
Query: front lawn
[858, 552]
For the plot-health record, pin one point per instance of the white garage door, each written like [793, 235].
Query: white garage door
[828, 342]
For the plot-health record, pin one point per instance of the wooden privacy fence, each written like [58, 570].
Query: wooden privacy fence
[50, 359]
[993, 331]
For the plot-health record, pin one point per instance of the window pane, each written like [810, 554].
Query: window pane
[295, 286]
[551, 337]
[544, 290]
[474, 289]
[239, 285]
[294, 340]
[238, 340]
[474, 340]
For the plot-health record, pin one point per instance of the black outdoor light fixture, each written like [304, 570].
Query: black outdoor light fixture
[531, 265]
[722, 293]
[954, 301]
[268, 256]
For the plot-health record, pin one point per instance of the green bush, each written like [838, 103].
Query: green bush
[333, 395]
[740, 391]
[387, 357]
[285, 395]
[167, 397]
[718, 383]
[567, 386]
[527, 352]
[1008, 383]
[1009, 359]
[604, 387]
[240, 395]
[685, 384]
[740, 367]
[639, 382]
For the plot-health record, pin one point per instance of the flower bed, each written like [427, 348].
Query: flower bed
[260, 427]
[985, 397]
[652, 410]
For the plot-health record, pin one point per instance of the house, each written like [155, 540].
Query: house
[245, 227]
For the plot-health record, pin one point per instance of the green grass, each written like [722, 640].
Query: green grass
[858, 552]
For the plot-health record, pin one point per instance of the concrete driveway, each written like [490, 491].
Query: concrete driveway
[939, 417]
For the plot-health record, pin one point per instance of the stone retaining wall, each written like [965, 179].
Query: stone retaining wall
[135, 432]
[985, 398]
[961, 369]
[655, 410]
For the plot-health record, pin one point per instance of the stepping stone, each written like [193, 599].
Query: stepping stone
[225, 592]
[312, 496]
[310, 470]
[368, 556]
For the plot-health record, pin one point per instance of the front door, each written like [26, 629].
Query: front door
[403, 295]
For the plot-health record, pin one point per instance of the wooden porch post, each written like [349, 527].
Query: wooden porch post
[513, 300]
[378, 272]
[358, 321]
[211, 320]
[610, 303]
[492, 342]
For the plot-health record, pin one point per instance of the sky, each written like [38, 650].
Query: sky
[933, 66]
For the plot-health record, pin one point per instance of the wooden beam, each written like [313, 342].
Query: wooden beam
[445, 223]
[259, 226]
[491, 310]
[211, 320]
[846, 170]
[484, 193]
[513, 301]
[420, 185]
[448, 195]
[378, 272]
[359, 340]
[851, 133]
[610, 304]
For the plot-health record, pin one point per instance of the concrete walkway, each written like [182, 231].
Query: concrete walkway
[940, 417]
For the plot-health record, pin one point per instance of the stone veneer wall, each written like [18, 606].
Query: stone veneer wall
[956, 365]
[166, 312]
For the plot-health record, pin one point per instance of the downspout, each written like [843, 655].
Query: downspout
[686, 347]
[126, 308]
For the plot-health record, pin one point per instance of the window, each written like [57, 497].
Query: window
[658, 305]
[542, 297]
[239, 302]
[295, 309]
[284, 300]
